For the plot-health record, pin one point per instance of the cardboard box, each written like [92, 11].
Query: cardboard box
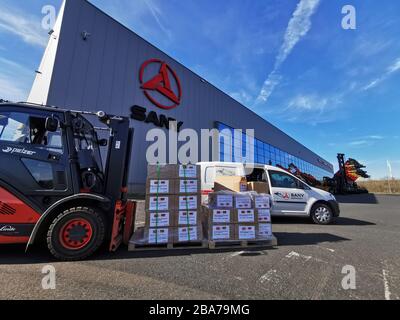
[264, 231]
[187, 186]
[159, 219]
[230, 183]
[245, 216]
[162, 171]
[222, 232]
[262, 201]
[184, 217]
[161, 187]
[188, 234]
[160, 203]
[264, 215]
[220, 200]
[173, 171]
[259, 187]
[158, 235]
[243, 201]
[221, 216]
[189, 171]
[246, 231]
[188, 202]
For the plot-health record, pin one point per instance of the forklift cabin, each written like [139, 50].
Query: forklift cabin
[54, 185]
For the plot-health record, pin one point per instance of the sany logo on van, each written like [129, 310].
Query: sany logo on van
[288, 196]
[282, 195]
[297, 196]
[19, 151]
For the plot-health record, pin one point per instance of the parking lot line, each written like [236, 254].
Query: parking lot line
[385, 274]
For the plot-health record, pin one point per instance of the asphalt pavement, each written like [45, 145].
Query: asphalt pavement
[310, 262]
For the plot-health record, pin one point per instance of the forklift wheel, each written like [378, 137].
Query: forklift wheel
[76, 234]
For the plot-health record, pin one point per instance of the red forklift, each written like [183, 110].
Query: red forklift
[55, 187]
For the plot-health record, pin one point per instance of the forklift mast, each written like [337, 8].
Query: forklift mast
[342, 176]
[118, 156]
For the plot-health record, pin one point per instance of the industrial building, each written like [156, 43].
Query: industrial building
[92, 62]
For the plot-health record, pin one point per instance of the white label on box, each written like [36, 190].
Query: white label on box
[224, 201]
[262, 202]
[247, 232]
[187, 234]
[189, 171]
[187, 217]
[246, 215]
[264, 215]
[160, 219]
[158, 203]
[221, 216]
[188, 186]
[159, 186]
[187, 202]
[221, 233]
[158, 235]
[265, 230]
[243, 202]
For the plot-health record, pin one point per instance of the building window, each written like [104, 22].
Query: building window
[265, 153]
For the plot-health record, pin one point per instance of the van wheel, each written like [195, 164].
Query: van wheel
[321, 214]
[76, 234]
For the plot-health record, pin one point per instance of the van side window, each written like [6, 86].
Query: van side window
[225, 171]
[282, 180]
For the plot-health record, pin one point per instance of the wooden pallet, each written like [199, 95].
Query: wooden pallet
[212, 245]
[136, 244]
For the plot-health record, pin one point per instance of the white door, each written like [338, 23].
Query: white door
[288, 194]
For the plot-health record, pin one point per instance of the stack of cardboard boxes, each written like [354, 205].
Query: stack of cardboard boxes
[173, 209]
[238, 216]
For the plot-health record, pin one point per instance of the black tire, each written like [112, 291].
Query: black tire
[88, 233]
[322, 214]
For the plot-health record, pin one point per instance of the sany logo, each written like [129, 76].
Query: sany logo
[283, 195]
[161, 83]
[7, 229]
[18, 150]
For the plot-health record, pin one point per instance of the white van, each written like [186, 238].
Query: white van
[290, 195]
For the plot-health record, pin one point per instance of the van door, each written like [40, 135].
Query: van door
[210, 172]
[288, 194]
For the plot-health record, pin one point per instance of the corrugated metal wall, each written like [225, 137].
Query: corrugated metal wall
[102, 73]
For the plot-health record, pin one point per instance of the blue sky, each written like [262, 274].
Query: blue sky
[332, 89]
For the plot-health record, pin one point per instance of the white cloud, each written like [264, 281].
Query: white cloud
[157, 15]
[312, 109]
[298, 27]
[376, 137]
[393, 68]
[23, 25]
[15, 80]
[308, 103]
[366, 140]
[359, 143]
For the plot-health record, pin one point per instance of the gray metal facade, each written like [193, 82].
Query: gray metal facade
[102, 73]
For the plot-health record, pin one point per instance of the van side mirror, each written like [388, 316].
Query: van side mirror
[51, 124]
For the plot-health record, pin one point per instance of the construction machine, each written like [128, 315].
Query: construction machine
[344, 181]
[60, 183]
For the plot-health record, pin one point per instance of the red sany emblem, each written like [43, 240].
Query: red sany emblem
[162, 84]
